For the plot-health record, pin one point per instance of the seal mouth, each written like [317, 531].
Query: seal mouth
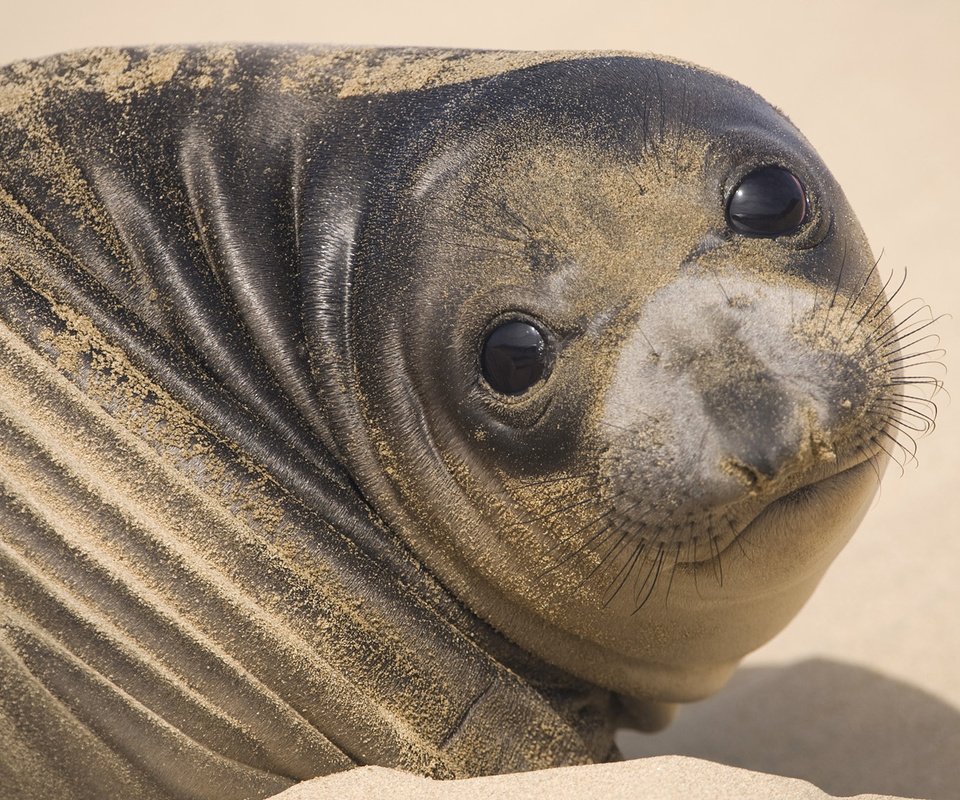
[799, 500]
[739, 528]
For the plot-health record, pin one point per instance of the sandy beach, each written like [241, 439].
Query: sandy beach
[860, 695]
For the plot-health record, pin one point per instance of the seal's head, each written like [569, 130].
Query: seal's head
[618, 365]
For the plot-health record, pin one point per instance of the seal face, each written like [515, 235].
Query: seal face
[435, 410]
[692, 288]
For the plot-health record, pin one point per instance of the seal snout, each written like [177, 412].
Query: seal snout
[756, 419]
[733, 405]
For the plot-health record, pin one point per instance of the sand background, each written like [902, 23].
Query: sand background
[862, 692]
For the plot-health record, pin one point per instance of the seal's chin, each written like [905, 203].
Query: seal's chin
[714, 611]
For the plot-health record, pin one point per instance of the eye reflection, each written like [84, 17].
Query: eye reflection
[769, 202]
[514, 357]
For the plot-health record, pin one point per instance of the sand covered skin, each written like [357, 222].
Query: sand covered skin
[912, 748]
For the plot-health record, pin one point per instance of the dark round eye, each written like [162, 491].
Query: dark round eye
[769, 201]
[514, 357]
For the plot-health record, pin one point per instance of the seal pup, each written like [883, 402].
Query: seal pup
[439, 410]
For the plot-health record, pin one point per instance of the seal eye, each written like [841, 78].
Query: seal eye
[769, 201]
[514, 357]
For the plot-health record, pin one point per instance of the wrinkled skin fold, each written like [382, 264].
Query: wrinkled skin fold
[261, 517]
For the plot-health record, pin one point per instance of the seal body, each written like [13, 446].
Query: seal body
[439, 410]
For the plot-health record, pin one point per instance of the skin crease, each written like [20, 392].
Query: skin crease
[259, 504]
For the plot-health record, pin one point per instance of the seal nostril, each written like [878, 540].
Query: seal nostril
[753, 466]
[754, 417]
[744, 473]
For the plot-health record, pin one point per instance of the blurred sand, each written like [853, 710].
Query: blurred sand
[862, 692]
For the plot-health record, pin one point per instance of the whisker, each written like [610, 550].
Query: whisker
[888, 302]
[673, 574]
[695, 571]
[563, 540]
[855, 299]
[890, 455]
[836, 288]
[625, 570]
[716, 561]
[656, 577]
[556, 511]
[880, 293]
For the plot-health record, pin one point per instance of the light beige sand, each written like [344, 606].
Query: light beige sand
[651, 779]
[862, 692]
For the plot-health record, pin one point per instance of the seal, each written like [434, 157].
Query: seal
[432, 409]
